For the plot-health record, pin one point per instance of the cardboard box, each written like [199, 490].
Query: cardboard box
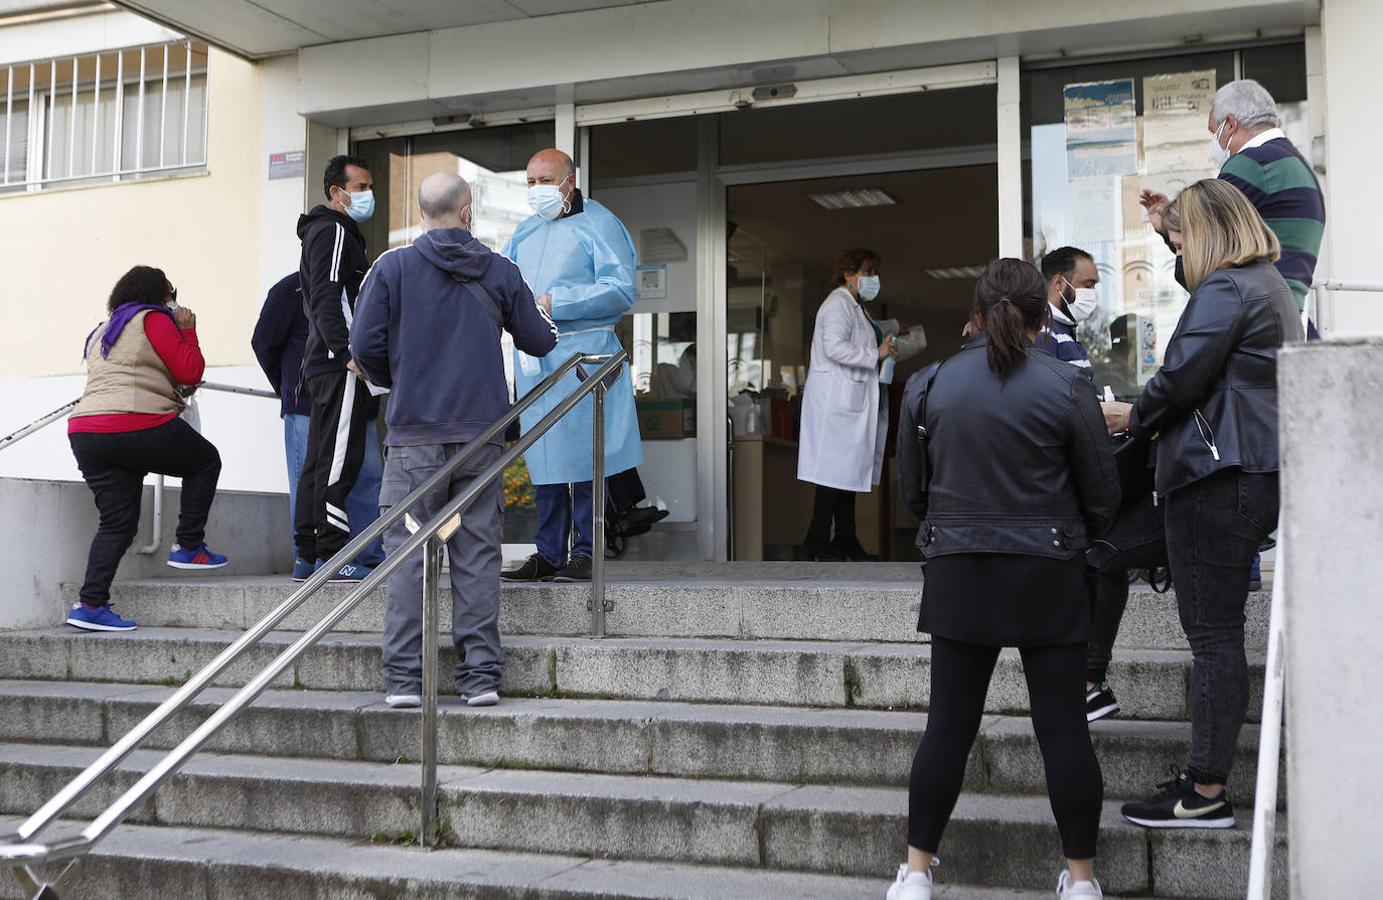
[665, 419]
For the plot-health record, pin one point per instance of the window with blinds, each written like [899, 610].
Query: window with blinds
[119, 115]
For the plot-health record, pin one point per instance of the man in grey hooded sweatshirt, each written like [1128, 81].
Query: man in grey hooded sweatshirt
[427, 326]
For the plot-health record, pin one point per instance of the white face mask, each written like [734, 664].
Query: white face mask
[361, 205]
[1218, 155]
[1085, 304]
[868, 287]
[547, 201]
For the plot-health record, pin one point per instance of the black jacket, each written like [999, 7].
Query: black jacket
[1213, 404]
[332, 267]
[278, 341]
[1023, 467]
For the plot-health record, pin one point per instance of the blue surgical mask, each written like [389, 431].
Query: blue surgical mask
[546, 200]
[869, 287]
[362, 205]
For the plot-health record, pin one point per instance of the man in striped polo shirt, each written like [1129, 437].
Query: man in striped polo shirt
[1254, 155]
[1071, 279]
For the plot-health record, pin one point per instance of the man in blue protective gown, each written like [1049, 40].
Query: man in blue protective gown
[579, 260]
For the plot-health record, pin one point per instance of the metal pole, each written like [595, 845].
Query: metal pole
[35, 425]
[432, 573]
[598, 509]
[1270, 736]
[156, 538]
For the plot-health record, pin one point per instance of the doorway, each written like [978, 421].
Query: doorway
[932, 229]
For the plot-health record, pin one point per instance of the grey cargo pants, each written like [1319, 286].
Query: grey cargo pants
[474, 555]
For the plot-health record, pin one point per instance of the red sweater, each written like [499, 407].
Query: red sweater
[182, 355]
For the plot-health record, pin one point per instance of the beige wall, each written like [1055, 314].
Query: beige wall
[66, 248]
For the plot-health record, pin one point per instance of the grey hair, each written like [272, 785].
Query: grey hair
[1247, 101]
[443, 194]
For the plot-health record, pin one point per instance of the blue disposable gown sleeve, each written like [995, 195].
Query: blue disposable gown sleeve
[612, 293]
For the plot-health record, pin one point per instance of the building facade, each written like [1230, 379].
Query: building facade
[743, 144]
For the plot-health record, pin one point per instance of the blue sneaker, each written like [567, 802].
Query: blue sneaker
[350, 573]
[302, 569]
[102, 618]
[198, 557]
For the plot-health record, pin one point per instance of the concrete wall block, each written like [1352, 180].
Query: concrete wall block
[281, 730]
[890, 677]
[76, 720]
[546, 609]
[356, 803]
[795, 675]
[106, 876]
[1151, 621]
[34, 655]
[179, 602]
[263, 596]
[863, 613]
[141, 659]
[1221, 870]
[26, 785]
[528, 811]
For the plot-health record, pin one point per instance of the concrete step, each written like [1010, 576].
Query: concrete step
[831, 608]
[792, 745]
[991, 841]
[163, 863]
[1151, 684]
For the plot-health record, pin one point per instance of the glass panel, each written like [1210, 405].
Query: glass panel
[1140, 300]
[629, 149]
[898, 123]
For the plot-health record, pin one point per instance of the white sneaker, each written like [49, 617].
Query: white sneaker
[912, 886]
[489, 698]
[1066, 888]
[404, 701]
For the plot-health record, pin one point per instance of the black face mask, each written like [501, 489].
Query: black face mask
[1180, 272]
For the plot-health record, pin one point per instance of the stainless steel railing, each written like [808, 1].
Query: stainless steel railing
[156, 529]
[23, 851]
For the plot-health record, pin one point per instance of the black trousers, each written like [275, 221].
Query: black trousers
[960, 676]
[1137, 540]
[833, 505]
[341, 411]
[114, 466]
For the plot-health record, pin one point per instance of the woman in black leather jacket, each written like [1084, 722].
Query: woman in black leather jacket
[1013, 479]
[1212, 410]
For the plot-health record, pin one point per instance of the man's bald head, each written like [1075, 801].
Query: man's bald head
[552, 166]
[445, 199]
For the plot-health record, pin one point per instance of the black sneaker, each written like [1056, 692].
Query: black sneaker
[1100, 702]
[1177, 805]
[821, 551]
[578, 568]
[535, 568]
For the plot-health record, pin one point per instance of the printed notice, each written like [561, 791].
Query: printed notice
[1176, 108]
[1101, 129]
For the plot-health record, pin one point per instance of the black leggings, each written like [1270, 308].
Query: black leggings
[833, 504]
[114, 465]
[960, 676]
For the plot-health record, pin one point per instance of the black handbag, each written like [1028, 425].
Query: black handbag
[1133, 457]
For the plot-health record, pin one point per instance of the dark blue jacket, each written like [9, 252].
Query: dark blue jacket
[427, 325]
[278, 341]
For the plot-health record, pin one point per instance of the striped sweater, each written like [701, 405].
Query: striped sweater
[1058, 337]
[1282, 187]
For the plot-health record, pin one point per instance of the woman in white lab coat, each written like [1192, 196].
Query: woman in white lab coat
[838, 450]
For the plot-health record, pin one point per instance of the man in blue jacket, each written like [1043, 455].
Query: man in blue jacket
[427, 326]
[579, 259]
[279, 339]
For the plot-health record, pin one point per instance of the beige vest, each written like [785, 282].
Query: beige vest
[133, 379]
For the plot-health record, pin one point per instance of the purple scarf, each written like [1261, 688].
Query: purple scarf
[118, 320]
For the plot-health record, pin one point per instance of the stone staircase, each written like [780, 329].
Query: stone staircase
[745, 732]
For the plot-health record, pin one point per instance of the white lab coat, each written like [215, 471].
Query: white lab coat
[843, 434]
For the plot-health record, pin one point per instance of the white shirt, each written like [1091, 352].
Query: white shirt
[1262, 138]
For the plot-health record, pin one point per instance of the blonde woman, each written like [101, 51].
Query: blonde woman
[1213, 409]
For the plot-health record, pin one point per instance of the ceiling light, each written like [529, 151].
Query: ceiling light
[970, 272]
[852, 199]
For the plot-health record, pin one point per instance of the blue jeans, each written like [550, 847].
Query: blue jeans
[362, 504]
[557, 504]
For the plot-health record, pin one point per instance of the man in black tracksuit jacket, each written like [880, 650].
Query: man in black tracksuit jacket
[332, 267]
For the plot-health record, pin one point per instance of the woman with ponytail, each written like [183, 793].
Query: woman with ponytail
[1004, 458]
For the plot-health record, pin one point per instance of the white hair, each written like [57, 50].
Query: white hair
[1247, 101]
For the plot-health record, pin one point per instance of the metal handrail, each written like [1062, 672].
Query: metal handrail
[18, 849]
[156, 525]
